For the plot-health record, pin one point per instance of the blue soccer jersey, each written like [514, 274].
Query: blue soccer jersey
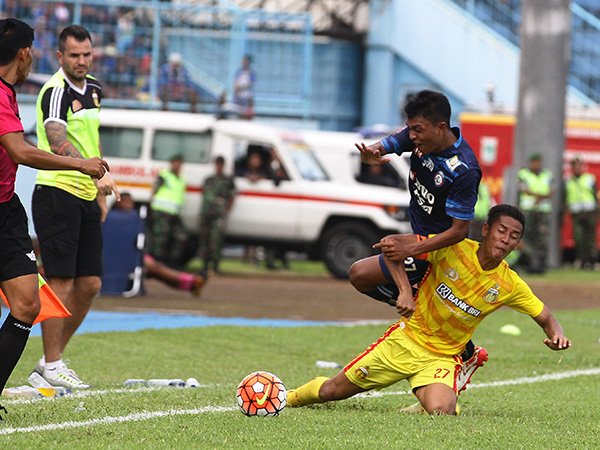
[442, 185]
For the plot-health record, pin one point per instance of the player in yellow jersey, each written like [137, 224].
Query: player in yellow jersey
[466, 282]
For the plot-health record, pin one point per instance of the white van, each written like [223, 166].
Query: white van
[340, 158]
[300, 209]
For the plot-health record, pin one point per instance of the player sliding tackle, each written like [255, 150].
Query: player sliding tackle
[467, 282]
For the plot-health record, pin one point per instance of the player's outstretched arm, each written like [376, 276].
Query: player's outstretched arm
[405, 303]
[23, 153]
[372, 154]
[556, 339]
[458, 231]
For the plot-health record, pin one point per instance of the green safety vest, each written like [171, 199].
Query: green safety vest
[580, 193]
[484, 202]
[82, 132]
[170, 195]
[538, 184]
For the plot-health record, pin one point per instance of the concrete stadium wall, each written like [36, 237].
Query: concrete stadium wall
[434, 44]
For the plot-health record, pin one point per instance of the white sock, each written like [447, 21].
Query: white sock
[54, 364]
[42, 361]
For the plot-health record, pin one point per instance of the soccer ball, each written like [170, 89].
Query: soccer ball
[261, 394]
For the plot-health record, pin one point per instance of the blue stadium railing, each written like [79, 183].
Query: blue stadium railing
[132, 39]
[504, 17]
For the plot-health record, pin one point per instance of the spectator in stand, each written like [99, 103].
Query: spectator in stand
[581, 198]
[175, 84]
[243, 88]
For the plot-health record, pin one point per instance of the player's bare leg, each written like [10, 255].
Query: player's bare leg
[338, 388]
[367, 277]
[52, 329]
[323, 389]
[23, 295]
[77, 296]
[80, 301]
[437, 398]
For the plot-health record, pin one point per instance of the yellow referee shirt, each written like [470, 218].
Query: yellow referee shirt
[457, 294]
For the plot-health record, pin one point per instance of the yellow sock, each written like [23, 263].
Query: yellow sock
[307, 394]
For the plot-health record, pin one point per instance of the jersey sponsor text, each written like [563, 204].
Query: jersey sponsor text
[445, 292]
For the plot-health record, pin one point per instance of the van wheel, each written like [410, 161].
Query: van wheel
[345, 243]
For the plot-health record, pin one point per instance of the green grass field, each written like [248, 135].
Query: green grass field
[531, 413]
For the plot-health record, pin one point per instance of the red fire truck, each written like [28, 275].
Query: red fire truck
[492, 138]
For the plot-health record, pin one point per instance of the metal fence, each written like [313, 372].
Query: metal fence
[133, 41]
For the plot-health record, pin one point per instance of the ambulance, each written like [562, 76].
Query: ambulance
[298, 206]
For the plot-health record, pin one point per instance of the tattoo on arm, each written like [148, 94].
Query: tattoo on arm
[57, 137]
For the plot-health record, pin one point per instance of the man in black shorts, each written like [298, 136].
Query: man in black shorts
[68, 207]
[18, 269]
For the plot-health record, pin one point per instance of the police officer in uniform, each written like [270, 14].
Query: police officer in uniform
[535, 191]
[167, 234]
[582, 203]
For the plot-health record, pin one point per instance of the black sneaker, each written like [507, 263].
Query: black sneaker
[2, 409]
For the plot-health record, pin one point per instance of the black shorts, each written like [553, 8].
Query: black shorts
[69, 231]
[16, 250]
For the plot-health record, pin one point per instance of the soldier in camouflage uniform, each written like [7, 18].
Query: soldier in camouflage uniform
[217, 199]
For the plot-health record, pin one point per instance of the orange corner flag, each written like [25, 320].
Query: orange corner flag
[51, 306]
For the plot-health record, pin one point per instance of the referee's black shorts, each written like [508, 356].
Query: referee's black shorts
[16, 250]
[69, 232]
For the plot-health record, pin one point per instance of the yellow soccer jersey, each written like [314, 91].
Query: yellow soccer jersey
[457, 294]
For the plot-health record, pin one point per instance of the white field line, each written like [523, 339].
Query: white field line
[515, 381]
[137, 417]
[134, 417]
[83, 393]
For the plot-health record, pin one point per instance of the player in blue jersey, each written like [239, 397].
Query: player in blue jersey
[443, 183]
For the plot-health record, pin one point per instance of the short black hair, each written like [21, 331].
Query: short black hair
[433, 106]
[497, 211]
[14, 35]
[79, 33]
[219, 160]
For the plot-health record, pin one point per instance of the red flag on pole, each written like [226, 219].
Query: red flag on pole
[51, 306]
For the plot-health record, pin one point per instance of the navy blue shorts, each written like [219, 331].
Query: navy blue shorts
[69, 231]
[17, 258]
[415, 269]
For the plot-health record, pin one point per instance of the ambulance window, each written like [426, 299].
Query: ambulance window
[195, 147]
[260, 154]
[382, 175]
[385, 175]
[305, 160]
[121, 142]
